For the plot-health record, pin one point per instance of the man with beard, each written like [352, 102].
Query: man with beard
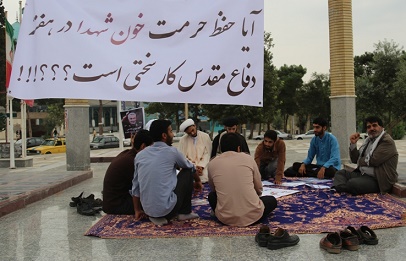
[230, 126]
[323, 146]
[156, 186]
[270, 156]
[376, 159]
[119, 175]
[196, 146]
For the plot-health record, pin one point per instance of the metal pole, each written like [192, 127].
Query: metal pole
[120, 126]
[24, 129]
[11, 132]
[20, 11]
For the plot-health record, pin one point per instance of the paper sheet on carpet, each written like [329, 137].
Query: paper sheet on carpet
[315, 180]
[284, 184]
[199, 202]
[318, 186]
[277, 193]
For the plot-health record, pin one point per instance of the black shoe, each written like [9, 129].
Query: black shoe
[94, 203]
[356, 232]
[87, 209]
[368, 236]
[263, 235]
[76, 200]
[88, 206]
[281, 239]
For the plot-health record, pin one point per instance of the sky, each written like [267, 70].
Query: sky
[299, 29]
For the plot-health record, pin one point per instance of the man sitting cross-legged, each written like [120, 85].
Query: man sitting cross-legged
[376, 159]
[163, 194]
[231, 125]
[236, 186]
[324, 146]
[270, 156]
[196, 146]
[119, 175]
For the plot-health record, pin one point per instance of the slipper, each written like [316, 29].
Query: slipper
[369, 237]
[355, 232]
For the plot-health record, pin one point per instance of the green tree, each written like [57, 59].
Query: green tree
[271, 85]
[250, 114]
[166, 111]
[56, 116]
[379, 85]
[313, 99]
[3, 121]
[398, 94]
[291, 80]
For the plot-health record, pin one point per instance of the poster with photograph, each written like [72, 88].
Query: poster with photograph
[133, 120]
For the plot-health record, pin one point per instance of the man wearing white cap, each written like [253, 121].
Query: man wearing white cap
[196, 146]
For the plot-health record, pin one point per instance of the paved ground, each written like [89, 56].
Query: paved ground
[50, 230]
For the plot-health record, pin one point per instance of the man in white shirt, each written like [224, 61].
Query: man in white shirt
[196, 146]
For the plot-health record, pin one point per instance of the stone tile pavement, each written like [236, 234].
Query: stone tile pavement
[48, 229]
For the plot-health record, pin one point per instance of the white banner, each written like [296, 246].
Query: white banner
[204, 52]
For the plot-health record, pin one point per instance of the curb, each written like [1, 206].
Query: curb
[21, 201]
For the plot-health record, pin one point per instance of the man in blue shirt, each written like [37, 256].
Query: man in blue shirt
[325, 147]
[158, 192]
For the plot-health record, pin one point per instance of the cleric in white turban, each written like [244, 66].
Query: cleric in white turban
[196, 146]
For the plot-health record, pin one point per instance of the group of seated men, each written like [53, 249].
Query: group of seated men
[157, 181]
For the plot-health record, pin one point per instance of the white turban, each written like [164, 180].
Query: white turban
[149, 124]
[187, 123]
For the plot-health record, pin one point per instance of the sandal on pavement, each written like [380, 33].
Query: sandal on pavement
[349, 240]
[369, 237]
[356, 232]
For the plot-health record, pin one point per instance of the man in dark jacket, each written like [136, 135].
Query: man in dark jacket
[376, 159]
[119, 175]
[230, 126]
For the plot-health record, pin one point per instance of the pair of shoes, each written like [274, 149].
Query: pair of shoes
[334, 242]
[88, 206]
[87, 209]
[262, 236]
[281, 238]
[191, 215]
[365, 235]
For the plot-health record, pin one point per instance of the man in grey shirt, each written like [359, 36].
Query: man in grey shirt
[161, 192]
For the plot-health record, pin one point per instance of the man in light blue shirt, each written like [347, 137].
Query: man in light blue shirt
[158, 191]
[324, 146]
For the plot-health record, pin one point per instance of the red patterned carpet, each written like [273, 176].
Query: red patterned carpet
[308, 211]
